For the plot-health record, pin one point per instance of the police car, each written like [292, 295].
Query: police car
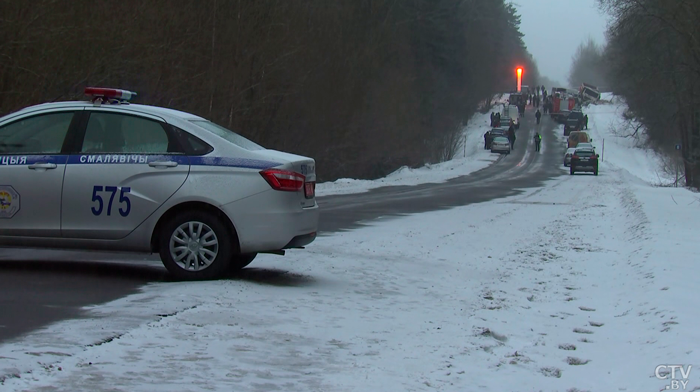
[108, 175]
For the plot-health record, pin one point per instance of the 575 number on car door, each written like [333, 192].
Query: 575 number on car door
[128, 167]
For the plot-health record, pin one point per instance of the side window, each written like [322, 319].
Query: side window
[119, 133]
[42, 134]
[192, 144]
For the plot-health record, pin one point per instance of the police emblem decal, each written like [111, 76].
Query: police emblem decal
[9, 202]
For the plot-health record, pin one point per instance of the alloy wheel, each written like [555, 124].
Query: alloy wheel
[194, 246]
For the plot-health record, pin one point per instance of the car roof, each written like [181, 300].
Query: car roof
[128, 107]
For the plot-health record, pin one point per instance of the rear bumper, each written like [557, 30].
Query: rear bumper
[272, 221]
[584, 166]
[301, 240]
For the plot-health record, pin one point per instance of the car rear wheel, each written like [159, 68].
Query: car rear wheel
[195, 245]
[595, 171]
[571, 170]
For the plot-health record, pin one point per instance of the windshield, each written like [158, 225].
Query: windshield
[228, 134]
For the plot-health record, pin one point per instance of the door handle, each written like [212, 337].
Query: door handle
[43, 166]
[162, 164]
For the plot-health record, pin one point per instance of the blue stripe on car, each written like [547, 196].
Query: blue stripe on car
[123, 159]
[233, 162]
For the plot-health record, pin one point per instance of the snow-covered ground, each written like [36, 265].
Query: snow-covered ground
[470, 157]
[585, 284]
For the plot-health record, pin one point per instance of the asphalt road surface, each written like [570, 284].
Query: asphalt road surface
[38, 287]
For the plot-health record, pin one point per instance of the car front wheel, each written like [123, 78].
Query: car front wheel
[195, 245]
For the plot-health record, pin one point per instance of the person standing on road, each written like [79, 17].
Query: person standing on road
[493, 116]
[538, 140]
[585, 122]
[538, 115]
[511, 136]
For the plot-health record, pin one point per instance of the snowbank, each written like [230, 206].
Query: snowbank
[470, 157]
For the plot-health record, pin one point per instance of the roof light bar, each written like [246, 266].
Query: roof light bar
[109, 93]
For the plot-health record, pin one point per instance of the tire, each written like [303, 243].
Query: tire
[240, 261]
[193, 228]
[595, 172]
[571, 170]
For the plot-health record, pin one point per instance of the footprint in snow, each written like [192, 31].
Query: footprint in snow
[582, 330]
[551, 372]
[595, 324]
[586, 309]
[576, 361]
[567, 346]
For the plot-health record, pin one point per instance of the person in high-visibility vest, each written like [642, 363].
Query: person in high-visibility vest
[538, 140]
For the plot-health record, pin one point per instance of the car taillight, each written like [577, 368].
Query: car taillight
[283, 180]
[574, 156]
[310, 189]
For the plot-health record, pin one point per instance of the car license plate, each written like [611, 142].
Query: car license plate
[309, 189]
[584, 159]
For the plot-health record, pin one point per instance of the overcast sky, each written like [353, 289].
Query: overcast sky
[554, 29]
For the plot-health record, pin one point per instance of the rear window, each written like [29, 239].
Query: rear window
[580, 137]
[228, 134]
[584, 153]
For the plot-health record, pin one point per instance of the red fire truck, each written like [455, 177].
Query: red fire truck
[562, 104]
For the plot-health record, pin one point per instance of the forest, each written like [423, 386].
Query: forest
[652, 59]
[362, 86]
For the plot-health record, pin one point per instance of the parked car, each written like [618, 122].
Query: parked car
[584, 159]
[488, 137]
[585, 145]
[567, 156]
[501, 145]
[578, 137]
[103, 174]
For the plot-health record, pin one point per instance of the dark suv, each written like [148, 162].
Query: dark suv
[573, 122]
[584, 159]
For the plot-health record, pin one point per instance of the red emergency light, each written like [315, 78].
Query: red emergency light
[519, 71]
[109, 93]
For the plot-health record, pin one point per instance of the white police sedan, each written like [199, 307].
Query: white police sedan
[104, 174]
